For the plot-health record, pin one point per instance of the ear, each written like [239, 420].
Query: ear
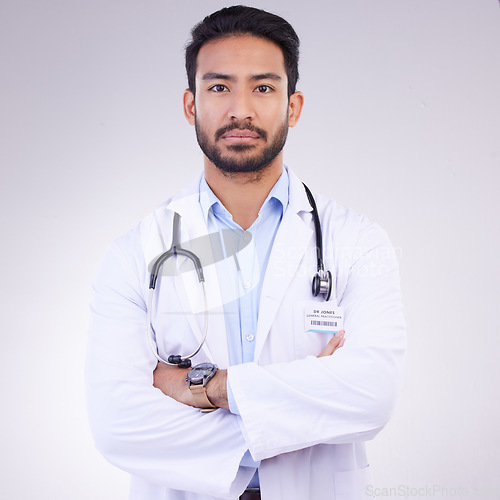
[188, 103]
[295, 108]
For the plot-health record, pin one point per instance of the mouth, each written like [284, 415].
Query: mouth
[237, 136]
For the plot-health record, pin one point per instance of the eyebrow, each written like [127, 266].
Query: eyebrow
[266, 76]
[231, 78]
[218, 76]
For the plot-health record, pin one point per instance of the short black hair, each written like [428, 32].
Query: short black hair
[242, 20]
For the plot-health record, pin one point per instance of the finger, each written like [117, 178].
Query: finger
[330, 347]
[334, 343]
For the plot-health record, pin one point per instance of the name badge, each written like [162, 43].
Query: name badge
[326, 317]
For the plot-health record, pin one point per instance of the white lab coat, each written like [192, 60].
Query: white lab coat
[305, 418]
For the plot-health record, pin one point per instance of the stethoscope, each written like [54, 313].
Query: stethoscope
[321, 282]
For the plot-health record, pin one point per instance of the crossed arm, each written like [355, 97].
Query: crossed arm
[171, 380]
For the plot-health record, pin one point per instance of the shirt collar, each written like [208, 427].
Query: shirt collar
[279, 193]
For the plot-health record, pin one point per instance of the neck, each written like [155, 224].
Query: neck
[243, 193]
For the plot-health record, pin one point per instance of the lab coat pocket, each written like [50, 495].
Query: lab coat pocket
[353, 484]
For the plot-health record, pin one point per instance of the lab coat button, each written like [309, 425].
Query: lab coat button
[250, 337]
[247, 285]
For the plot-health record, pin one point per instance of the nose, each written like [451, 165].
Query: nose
[241, 107]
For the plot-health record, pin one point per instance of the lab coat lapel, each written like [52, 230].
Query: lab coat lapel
[291, 242]
[188, 288]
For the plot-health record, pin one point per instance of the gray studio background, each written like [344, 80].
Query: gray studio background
[401, 122]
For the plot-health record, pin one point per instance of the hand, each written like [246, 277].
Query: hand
[336, 342]
[171, 380]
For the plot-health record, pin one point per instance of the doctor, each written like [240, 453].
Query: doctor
[293, 406]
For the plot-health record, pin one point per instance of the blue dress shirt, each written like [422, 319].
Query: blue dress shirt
[241, 290]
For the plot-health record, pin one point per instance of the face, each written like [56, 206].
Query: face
[241, 111]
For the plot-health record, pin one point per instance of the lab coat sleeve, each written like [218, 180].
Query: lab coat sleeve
[135, 426]
[346, 397]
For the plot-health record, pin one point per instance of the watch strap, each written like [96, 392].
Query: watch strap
[200, 396]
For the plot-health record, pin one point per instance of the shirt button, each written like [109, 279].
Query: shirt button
[247, 236]
[247, 285]
[250, 337]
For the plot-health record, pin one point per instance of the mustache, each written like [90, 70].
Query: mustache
[240, 126]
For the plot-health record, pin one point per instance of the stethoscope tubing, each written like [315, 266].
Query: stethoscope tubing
[151, 333]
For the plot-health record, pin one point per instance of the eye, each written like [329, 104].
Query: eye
[263, 89]
[218, 87]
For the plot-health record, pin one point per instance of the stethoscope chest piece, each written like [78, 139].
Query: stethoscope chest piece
[322, 284]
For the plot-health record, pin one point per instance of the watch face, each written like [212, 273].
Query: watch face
[201, 371]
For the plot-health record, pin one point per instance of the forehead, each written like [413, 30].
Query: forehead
[241, 56]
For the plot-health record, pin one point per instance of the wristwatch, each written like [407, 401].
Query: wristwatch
[197, 379]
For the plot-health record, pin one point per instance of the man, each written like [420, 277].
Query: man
[292, 409]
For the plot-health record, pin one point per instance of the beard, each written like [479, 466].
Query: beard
[245, 161]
